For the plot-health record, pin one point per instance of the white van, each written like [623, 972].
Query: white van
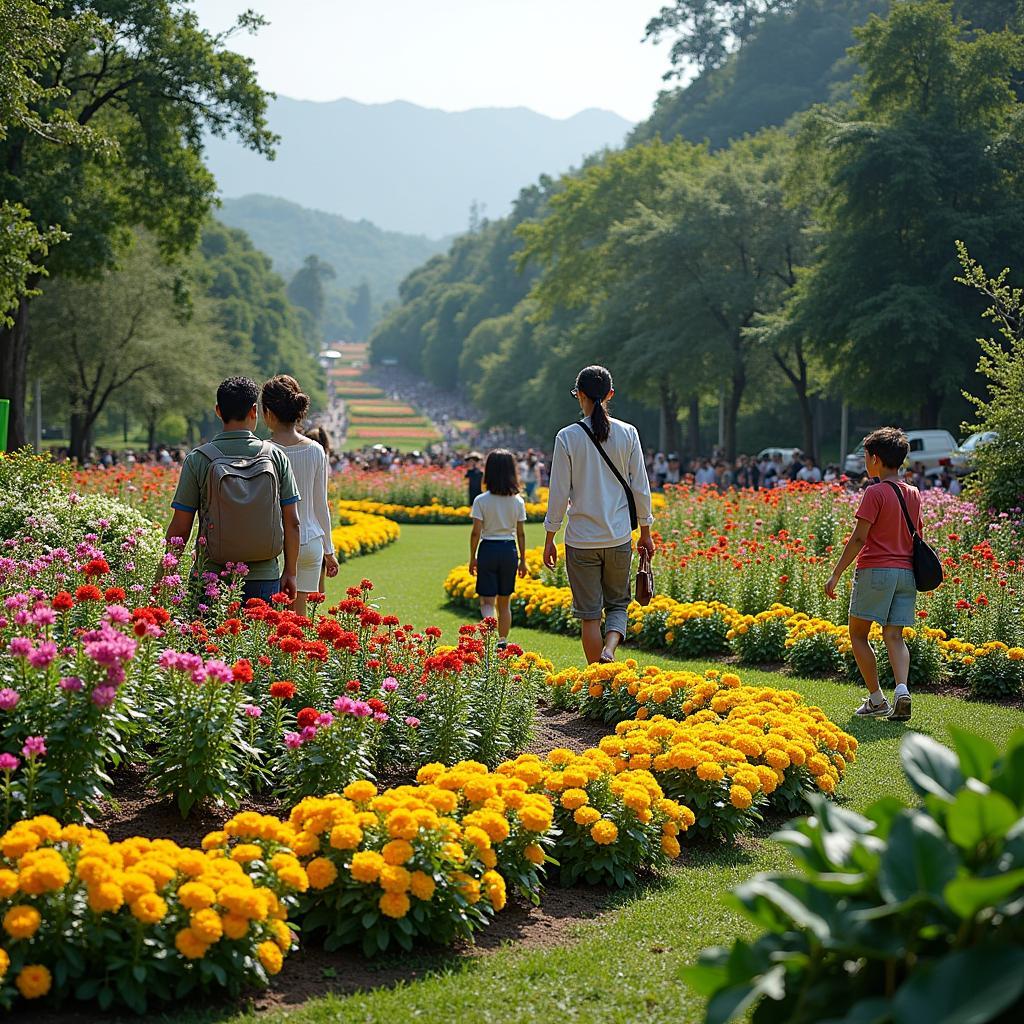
[933, 449]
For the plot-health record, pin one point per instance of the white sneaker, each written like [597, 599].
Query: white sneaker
[869, 710]
[901, 708]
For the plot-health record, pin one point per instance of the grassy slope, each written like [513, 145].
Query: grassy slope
[627, 966]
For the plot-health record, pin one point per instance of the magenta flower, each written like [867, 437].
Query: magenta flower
[9, 699]
[325, 719]
[389, 685]
[44, 615]
[344, 705]
[35, 746]
[218, 671]
[103, 696]
[118, 613]
[412, 721]
[43, 654]
[71, 683]
[21, 647]
[380, 716]
[292, 740]
[252, 710]
[308, 733]
[8, 763]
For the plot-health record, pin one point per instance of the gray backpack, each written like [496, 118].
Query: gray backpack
[242, 520]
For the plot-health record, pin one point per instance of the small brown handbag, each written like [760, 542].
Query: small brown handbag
[644, 580]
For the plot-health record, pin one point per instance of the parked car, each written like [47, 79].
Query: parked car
[780, 456]
[963, 456]
[932, 449]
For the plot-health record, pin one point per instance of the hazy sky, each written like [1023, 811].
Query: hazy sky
[554, 56]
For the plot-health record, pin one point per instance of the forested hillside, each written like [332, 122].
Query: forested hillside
[358, 252]
[756, 278]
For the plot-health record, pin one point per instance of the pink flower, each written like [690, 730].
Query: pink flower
[118, 613]
[412, 722]
[43, 654]
[44, 615]
[309, 733]
[420, 698]
[9, 699]
[380, 716]
[344, 705]
[324, 720]
[103, 696]
[35, 746]
[252, 710]
[71, 683]
[8, 762]
[21, 647]
[218, 671]
[292, 740]
[389, 685]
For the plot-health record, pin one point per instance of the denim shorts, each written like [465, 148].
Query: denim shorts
[599, 579]
[885, 596]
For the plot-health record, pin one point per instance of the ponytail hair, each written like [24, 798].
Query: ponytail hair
[596, 383]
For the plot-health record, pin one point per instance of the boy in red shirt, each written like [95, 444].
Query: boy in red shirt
[883, 584]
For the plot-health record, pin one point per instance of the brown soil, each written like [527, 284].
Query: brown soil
[311, 971]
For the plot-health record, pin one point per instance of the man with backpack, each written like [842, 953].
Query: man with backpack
[245, 494]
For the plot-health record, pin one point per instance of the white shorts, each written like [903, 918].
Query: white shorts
[311, 560]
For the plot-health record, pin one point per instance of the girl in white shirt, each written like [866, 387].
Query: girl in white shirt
[498, 531]
[284, 406]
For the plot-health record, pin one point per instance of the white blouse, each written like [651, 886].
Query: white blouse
[310, 467]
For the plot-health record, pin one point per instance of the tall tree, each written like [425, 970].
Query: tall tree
[148, 82]
[127, 332]
[306, 290]
[577, 247]
[707, 31]
[360, 311]
[930, 152]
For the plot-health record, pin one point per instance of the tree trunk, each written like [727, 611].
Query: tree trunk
[738, 385]
[151, 430]
[928, 416]
[13, 372]
[807, 423]
[693, 428]
[124, 426]
[81, 430]
[669, 420]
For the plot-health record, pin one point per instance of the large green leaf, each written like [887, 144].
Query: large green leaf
[968, 895]
[930, 767]
[919, 860]
[968, 987]
[732, 1002]
[867, 1011]
[977, 754]
[979, 817]
[1008, 777]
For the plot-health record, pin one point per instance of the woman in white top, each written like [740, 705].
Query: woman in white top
[498, 517]
[284, 406]
[598, 538]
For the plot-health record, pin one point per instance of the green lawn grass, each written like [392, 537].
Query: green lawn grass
[627, 966]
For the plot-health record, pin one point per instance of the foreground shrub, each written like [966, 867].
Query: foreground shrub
[900, 915]
[141, 922]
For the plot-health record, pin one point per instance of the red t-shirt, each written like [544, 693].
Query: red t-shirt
[889, 544]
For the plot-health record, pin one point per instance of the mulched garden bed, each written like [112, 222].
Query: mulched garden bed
[312, 972]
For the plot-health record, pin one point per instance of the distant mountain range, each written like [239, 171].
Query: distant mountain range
[407, 168]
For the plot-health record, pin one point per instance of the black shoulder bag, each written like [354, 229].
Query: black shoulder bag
[927, 566]
[622, 480]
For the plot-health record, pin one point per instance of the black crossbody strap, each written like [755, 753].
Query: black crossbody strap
[630, 500]
[903, 505]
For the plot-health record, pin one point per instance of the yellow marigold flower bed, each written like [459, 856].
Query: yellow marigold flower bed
[362, 532]
[430, 861]
[612, 823]
[707, 738]
[131, 922]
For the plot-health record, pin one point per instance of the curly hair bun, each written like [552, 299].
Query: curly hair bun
[285, 399]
